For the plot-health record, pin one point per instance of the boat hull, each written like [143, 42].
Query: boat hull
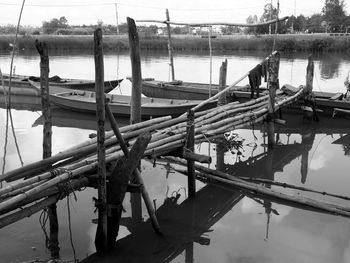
[21, 85]
[85, 101]
[200, 91]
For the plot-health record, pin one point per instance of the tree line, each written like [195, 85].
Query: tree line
[332, 19]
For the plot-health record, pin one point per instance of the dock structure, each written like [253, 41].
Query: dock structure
[110, 161]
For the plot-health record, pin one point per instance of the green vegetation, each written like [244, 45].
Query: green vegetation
[286, 42]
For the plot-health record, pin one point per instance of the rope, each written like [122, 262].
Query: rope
[70, 229]
[8, 106]
[43, 218]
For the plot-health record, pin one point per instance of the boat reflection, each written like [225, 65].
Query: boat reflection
[72, 119]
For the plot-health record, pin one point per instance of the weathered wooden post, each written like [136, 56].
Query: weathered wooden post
[309, 86]
[101, 232]
[136, 175]
[309, 74]
[191, 176]
[273, 85]
[53, 243]
[222, 83]
[117, 186]
[135, 112]
[170, 45]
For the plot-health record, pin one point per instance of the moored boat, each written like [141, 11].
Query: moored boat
[85, 101]
[23, 85]
[326, 102]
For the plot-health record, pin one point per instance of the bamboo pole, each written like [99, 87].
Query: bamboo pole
[170, 45]
[101, 232]
[135, 114]
[217, 23]
[231, 87]
[38, 206]
[261, 190]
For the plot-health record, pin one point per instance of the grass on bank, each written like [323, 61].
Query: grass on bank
[303, 42]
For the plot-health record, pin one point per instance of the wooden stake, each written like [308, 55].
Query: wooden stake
[222, 83]
[170, 45]
[136, 174]
[118, 185]
[190, 147]
[47, 139]
[101, 233]
[273, 85]
[135, 114]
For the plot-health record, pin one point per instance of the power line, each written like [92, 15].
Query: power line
[133, 5]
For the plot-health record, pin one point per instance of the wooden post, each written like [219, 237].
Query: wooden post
[118, 185]
[191, 177]
[53, 244]
[170, 45]
[135, 114]
[101, 233]
[136, 174]
[273, 85]
[222, 83]
[309, 86]
[310, 74]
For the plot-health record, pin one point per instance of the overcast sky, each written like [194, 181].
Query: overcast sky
[88, 12]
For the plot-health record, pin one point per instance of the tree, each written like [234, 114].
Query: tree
[54, 24]
[251, 20]
[270, 13]
[334, 14]
[313, 24]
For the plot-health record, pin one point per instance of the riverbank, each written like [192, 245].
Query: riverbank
[295, 42]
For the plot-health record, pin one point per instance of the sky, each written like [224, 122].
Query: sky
[79, 12]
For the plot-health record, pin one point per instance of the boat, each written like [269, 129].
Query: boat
[85, 101]
[23, 85]
[181, 90]
[326, 102]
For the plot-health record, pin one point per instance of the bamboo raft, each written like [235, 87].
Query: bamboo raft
[38, 184]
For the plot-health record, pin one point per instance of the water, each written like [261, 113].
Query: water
[222, 225]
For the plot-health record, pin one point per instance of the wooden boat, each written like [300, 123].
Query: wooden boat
[326, 102]
[85, 101]
[23, 85]
[179, 89]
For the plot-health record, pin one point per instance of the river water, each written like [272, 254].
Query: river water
[222, 225]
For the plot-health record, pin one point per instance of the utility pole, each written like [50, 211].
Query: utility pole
[270, 17]
[116, 15]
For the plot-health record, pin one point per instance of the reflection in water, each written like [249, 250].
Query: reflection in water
[329, 66]
[187, 223]
[182, 224]
[344, 140]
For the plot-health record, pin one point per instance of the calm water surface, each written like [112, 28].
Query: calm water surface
[222, 225]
